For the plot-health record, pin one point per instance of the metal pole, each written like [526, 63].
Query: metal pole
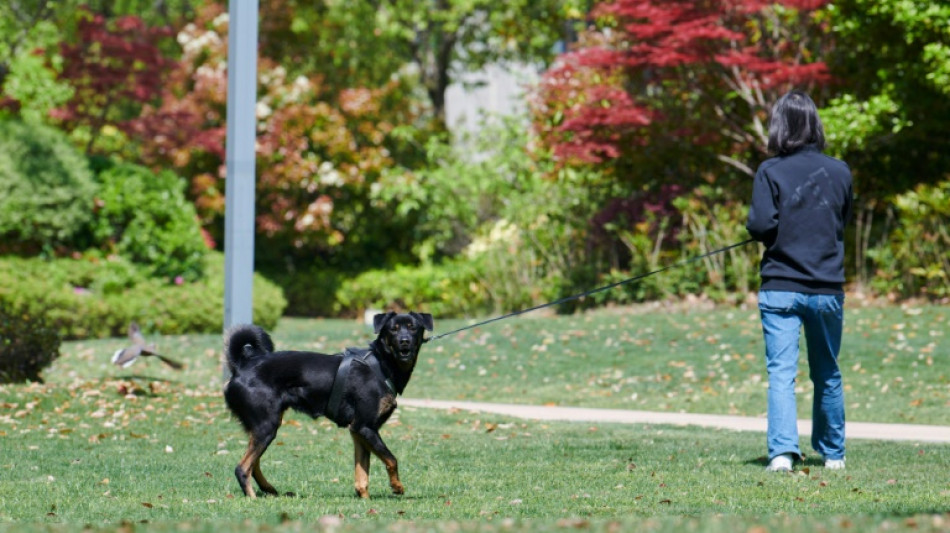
[240, 160]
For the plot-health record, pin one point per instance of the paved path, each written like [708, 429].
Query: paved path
[855, 430]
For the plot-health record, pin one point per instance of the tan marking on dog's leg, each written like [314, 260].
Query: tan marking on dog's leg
[387, 404]
[392, 468]
[245, 467]
[261, 480]
[361, 461]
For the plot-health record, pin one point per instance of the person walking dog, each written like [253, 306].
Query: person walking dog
[801, 202]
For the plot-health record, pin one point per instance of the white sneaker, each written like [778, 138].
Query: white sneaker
[781, 463]
[834, 464]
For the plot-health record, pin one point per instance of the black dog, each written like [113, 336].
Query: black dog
[356, 389]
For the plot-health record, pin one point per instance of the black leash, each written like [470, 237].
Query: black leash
[593, 291]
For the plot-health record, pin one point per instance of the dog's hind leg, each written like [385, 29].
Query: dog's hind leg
[243, 470]
[261, 480]
[375, 443]
[361, 456]
[250, 465]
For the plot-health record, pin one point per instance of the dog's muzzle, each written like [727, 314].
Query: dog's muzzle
[403, 349]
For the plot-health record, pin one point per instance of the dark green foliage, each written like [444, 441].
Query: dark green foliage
[145, 217]
[914, 260]
[92, 298]
[309, 292]
[452, 289]
[27, 343]
[46, 188]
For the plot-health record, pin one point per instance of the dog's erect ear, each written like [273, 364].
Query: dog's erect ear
[424, 318]
[380, 320]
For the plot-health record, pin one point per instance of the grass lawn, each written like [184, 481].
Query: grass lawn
[151, 449]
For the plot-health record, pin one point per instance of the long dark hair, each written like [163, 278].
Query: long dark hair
[794, 124]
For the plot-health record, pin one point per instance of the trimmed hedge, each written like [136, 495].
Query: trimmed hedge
[96, 298]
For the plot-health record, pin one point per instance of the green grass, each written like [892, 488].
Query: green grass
[151, 449]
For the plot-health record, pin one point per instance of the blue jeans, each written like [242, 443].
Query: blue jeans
[822, 315]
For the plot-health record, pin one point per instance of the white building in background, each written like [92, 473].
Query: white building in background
[497, 90]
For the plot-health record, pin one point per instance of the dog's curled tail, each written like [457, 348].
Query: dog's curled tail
[245, 342]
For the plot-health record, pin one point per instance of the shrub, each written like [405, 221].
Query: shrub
[450, 289]
[145, 217]
[713, 219]
[46, 188]
[310, 292]
[704, 220]
[915, 258]
[93, 297]
[27, 344]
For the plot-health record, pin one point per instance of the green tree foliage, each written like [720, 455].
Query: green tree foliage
[29, 60]
[891, 63]
[46, 189]
[490, 205]
[32, 78]
[344, 40]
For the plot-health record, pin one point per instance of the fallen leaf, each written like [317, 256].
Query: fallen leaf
[576, 523]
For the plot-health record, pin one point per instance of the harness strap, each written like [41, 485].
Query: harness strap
[351, 355]
[373, 363]
[336, 393]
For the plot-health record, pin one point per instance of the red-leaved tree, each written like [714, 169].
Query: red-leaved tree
[694, 73]
[115, 67]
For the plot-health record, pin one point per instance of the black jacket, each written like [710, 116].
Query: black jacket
[800, 206]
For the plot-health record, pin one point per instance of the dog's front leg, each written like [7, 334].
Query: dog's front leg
[378, 447]
[361, 461]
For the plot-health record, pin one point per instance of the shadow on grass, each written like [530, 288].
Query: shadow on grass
[807, 461]
[141, 385]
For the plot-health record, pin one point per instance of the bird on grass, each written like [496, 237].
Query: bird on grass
[126, 356]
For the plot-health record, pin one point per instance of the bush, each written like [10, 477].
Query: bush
[47, 189]
[145, 217]
[93, 297]
[311, 292]
[447, 290]
[915, 258]
[713, 219]
[27, 344]
[674, 230]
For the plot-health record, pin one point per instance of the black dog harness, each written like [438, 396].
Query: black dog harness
[362, 356]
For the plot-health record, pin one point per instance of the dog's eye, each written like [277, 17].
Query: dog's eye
[412, 327]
